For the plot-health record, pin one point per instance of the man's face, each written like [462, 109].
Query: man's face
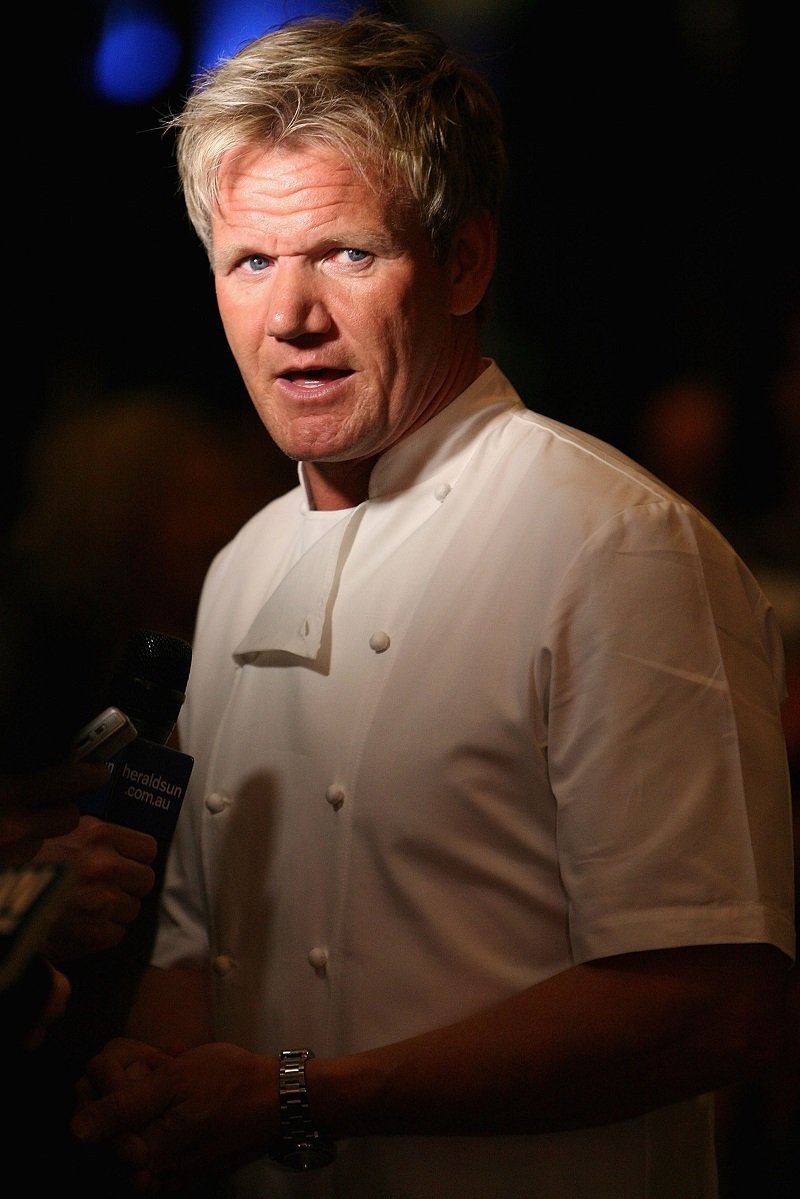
[338, 317]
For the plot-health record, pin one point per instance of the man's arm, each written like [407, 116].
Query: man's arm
[172, 1009]
[601, 1042]
[596, 1044]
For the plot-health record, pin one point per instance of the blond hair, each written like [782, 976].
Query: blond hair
[406, 112]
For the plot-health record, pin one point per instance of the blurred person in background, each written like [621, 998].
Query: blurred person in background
[689, 435]
[129, 495]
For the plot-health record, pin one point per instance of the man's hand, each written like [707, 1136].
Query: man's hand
[112, 875]
[174, 1118]
[42, 804]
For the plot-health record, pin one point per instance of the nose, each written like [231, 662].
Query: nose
[295, 306]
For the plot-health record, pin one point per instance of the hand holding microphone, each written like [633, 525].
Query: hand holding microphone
[149, 779]
[126, 817]
[111, 873]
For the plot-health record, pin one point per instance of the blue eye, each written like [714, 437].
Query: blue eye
[256, 262]
[356, 255]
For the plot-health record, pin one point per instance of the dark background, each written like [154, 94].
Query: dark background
[650, 231]
[649, 240]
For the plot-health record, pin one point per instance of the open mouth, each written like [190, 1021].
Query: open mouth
[314, 378]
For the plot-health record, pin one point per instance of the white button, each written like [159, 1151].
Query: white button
[335, 795]
[318, 958]
[222, 964]
[379, 642]
[442, 491]
[216, 802]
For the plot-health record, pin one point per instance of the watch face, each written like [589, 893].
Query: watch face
[305, 1155]
[309, 1157]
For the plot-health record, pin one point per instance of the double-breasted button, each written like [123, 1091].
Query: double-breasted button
[216, 802]
[318, 958]
[335, 795]
[222, 964]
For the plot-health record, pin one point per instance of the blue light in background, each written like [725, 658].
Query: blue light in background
[223, 26]
[137, 55]
[139, 51]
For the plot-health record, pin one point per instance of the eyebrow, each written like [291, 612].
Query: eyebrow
[381, 243]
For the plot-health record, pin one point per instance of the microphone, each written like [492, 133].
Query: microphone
[149, 683]
[148, 778]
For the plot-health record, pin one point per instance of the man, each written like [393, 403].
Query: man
[489, 836]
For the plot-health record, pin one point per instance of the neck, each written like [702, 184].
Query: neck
[334, 485]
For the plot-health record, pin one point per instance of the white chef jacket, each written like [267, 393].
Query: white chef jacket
[517, 710]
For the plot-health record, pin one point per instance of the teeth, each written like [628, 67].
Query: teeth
[314, 378]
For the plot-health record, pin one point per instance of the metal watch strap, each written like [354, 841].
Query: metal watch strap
[299, 1146]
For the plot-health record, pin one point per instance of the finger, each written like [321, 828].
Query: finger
[148, 1183]
[132, 1149]
[59, 820]
[122, 1061]
[135, 878]
[84, 1092]
[19, 825]
[124, 1109]
[134, 844]
[101, 874]
[20, 850]
[57, 784]
[101, 903]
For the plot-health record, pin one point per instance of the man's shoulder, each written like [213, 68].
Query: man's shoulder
[272, 524]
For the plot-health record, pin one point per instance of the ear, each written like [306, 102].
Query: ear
[471, 262]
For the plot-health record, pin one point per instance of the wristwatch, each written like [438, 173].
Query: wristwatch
[299, 1145]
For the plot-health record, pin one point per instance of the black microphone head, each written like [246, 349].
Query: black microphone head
[149, 684]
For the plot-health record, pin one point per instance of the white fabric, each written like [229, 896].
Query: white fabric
[435, 761]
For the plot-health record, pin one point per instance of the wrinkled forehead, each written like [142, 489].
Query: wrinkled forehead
[287, 167]
[376, 173]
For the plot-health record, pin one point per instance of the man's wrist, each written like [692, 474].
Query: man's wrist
[299, 1145]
